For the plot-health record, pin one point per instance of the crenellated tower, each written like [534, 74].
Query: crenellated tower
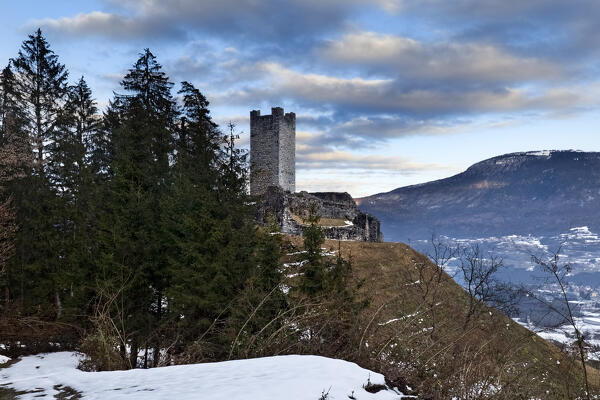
[272, 151]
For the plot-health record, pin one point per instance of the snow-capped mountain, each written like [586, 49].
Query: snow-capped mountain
[537, 193]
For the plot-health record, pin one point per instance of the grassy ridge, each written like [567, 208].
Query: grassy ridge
[416, 331]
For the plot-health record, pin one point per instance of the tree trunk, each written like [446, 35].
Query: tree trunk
[133, 354]
[58, 304]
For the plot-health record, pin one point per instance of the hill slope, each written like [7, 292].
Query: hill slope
[520, 193]
[417, 330]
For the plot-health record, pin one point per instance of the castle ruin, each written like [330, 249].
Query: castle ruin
[272, 151]
[273, 182]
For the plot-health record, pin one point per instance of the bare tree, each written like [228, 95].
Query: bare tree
[431, 279]
[478, 273]
[558, 272]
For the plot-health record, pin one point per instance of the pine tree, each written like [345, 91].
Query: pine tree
[71, 178]
[15, 159]
[42, 84]
[40, 81]
[135, 254]
[332, 319]
[259, 310]
[9, 98]
[15, 164]
[314, 279]
[210, 225]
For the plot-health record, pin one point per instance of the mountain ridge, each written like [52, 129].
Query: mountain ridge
[535, 192]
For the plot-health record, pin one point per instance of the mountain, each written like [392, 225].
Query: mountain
[537, 193]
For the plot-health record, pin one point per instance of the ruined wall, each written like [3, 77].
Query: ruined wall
[273, 178]
[287, 207]
[272, 151]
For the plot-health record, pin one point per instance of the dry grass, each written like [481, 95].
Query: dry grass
[416, 329]
[324, 222]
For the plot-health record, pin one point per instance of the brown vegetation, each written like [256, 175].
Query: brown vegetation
[421, 328]
[323, 221]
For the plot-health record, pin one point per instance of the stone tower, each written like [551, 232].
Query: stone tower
[272, 151]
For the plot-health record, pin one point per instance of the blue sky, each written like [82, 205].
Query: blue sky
[387, 92]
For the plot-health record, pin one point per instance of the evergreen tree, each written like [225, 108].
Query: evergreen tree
[134, 248]
[210, 225]
[259, 311]
[314, 277]
[332, 319]
[15, 159]
[40, 81]
[42, 84]
[15, 163]
[71, 178]
[9, 98]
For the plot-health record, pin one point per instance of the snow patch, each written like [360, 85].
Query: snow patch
[541, 153]
[291, 377]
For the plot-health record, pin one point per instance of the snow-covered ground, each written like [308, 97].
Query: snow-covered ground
[588, 324]
[291, 377]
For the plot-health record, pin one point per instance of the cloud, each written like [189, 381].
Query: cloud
[312, 153]
[559, 30]
[327, 158]
[471, 63]
[245, 19]
[389, 96]
[366, 129]
[360, 111]
[114, 26]
[451, 63]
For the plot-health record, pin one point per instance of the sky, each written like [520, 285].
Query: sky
[387, 93]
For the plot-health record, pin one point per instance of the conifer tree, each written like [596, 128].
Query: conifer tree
[15, 160]
[259, 310]
[15, 164]
[314, 278]
[133, 241]
[9, 98]
[210, 226]
[40, 81]
[71, 178]
[7, 214]
[42, 84]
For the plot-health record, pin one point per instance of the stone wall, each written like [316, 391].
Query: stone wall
[272, 150]
[289, 209]
[287, 151]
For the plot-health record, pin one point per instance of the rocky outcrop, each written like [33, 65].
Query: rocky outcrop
[340, 218]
